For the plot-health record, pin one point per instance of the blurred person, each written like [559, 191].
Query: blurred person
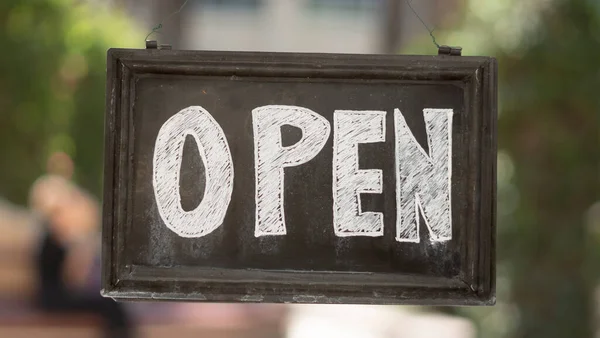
[67, 250]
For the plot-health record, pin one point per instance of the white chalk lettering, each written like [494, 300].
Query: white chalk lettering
[423, 178]
[216, 156]
[423, 182]
[271, 157]
[350, 129]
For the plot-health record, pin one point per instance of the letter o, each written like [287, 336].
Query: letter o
[216, 156]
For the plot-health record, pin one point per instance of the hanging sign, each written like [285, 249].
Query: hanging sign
[309, 178]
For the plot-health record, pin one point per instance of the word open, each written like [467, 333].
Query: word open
[423, 179]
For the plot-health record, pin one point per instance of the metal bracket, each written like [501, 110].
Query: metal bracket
[452, 51]
[153, 44]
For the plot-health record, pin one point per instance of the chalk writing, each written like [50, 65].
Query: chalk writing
[423, 179]
[350, 129]
[216, 156]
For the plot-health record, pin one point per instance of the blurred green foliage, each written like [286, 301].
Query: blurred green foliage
[52, 84]
[549, 161]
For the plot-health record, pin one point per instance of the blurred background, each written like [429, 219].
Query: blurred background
[52, 84]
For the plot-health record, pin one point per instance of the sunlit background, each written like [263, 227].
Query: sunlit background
[52, 85]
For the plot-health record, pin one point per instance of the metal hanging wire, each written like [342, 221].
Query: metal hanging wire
[156, 29]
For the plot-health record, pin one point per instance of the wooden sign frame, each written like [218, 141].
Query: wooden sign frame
[475, 284]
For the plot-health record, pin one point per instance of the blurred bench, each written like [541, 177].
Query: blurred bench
[18, 318]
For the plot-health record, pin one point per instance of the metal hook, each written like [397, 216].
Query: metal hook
[153, 44]
[452, 51]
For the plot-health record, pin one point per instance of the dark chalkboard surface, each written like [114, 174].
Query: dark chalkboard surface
[144, 258]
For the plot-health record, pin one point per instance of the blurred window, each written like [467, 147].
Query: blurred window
[232, 4]
[345, 5]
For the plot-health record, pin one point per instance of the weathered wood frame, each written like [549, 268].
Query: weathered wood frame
[475, 286]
